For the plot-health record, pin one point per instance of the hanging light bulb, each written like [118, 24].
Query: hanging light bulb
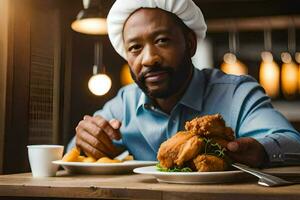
[90, 20]
[269, 72]
[231, 65]
[289, 76]
[100, 83]
[289, 71]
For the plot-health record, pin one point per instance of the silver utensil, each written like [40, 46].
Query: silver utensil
[122, 156]
[263, 178]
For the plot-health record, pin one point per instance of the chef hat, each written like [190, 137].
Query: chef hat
[186, 10]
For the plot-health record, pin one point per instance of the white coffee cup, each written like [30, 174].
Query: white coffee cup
[41, 157]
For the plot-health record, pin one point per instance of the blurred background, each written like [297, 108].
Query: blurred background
[51, 65]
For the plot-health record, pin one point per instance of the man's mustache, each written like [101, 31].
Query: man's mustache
[154, 70]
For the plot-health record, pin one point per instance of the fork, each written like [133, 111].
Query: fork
[263, 178]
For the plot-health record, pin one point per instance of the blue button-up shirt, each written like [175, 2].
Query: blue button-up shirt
[239, 99]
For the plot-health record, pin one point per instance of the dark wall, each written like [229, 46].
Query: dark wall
[32, 57]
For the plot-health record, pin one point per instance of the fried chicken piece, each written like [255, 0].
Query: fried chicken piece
[210, 126]
[181, 147]
[189, 150]
[209, 163]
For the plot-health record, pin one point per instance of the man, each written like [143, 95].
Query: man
[158, 39]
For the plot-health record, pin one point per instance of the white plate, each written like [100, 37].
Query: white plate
[102, 168]
[193, 177]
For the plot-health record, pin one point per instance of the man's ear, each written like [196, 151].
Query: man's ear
[191, 43]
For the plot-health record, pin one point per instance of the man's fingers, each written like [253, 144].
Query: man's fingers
[116, 124]
[96, 137]
[90, 150]
[113, 133]
[233, 146]
[89, 126]
[98, 133]
[248, 151]
[240, 145]
[97, 143]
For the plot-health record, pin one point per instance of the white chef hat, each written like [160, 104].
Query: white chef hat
[186, 10]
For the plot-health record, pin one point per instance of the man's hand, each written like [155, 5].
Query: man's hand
[248, 151]
[94, 136]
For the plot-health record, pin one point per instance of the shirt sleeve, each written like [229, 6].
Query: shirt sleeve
[111, 110]
[255, 117]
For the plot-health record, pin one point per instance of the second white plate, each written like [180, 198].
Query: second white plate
[102, 168]
[193, 177]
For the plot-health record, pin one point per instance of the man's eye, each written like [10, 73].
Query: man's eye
[163, 41]
[134, 48]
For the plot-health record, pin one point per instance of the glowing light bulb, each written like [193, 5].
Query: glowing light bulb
[99, 84]
[269, 74]
[232, 65]
[289, 76]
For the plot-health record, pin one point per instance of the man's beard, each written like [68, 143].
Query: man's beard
[177, 78]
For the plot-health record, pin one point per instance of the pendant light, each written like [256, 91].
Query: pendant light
[289, 70]
[90, 20]
[269, 72]
[231, 65]
[99, 84]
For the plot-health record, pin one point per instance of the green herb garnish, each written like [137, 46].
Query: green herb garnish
[213, 148]
[174, 169]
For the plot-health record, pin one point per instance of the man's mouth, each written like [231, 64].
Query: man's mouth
[156, 76]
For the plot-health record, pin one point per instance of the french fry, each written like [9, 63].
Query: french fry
[80, 158]
[107, 160]
[71, 156]
[89, 159]
[74, 156]
[129, 157]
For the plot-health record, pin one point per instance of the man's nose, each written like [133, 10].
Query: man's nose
[150, 57]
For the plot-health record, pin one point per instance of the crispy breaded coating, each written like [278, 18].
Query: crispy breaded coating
[209, 163]
[199, 146]
[189, 150]
[210, 126]
[181, 147]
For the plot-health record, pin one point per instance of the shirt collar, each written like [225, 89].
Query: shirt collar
[143, 100]
[192, 98]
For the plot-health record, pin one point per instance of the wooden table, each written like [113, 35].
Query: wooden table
[133, 186]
